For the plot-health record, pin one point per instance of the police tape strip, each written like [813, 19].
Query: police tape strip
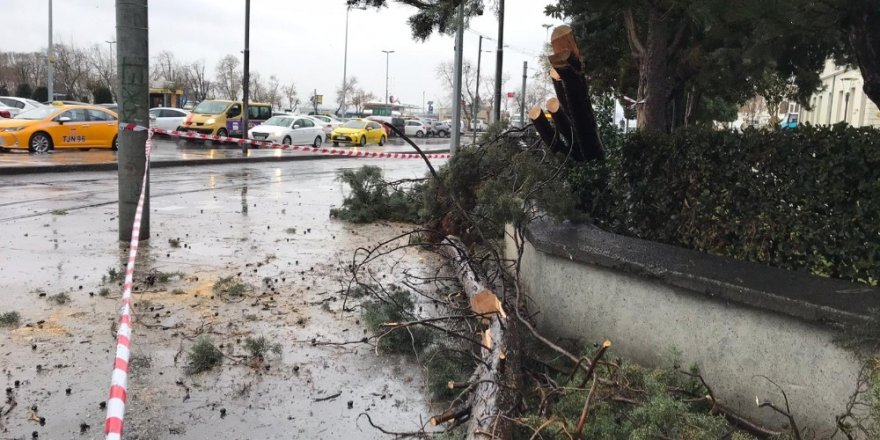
[119, 379]
[277, 146]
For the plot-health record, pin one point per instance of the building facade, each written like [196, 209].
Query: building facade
[841, 99]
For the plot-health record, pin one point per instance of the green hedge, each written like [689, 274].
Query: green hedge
[805, 199]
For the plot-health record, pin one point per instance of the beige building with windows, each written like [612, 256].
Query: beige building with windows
[841, 99]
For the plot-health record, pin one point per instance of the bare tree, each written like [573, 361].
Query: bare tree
[101, 64]
[198, 86]
[273, 92]
[228, 77]
[345, 91]
[359, 98]
[72, 71]
[445, 72]
[257, 89]
[168, 71]
[292, 96]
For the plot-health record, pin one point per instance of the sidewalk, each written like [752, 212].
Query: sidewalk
[170, 153]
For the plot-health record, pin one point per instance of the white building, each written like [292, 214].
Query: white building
[841, 99]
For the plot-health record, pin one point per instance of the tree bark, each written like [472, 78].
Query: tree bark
[864, 40]
[494, 383]
[653, 75]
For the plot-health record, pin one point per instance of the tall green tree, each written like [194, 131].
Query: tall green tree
[675, 55]
[855, 27]
[430, 15]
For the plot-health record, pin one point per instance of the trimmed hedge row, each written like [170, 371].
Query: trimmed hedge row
[806, 199]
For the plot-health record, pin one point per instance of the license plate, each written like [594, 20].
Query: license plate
[260, 136]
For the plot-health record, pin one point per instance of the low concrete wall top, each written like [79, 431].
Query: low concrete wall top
[737, 321]
[795, 294]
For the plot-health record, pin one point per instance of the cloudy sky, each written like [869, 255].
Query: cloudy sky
[297, 40]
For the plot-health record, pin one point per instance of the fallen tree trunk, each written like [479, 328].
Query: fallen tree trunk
[492, 389]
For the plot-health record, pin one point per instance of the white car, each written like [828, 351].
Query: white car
[167, 118]
[19, 105]
[416, 128]
[289, 130]
[329, 123]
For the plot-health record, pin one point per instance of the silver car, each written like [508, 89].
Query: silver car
[19, 105]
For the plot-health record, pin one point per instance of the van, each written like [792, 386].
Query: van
[217, 117]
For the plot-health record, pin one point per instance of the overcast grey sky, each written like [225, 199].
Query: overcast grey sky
[297, 40]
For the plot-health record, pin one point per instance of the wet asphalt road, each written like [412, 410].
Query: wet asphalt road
[59, 235]
[168, 149]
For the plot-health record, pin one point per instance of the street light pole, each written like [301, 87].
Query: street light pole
[247, 74]
[456, 82]
[522, 98]
[387, 56]
[345, 61]
[547, 31]
[112, 68]
[50, 59]
[477, 92]
[499, 61]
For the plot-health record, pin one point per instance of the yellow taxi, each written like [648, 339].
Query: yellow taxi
[60, 126]
[358, 132]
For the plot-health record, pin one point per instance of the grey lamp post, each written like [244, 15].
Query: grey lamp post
[387, 56]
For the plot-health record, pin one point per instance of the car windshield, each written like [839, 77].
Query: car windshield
[211, 107]
[278, 121]
[37, 113]
[354, 124]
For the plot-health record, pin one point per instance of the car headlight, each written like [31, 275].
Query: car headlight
[210, 121]
[12, 129]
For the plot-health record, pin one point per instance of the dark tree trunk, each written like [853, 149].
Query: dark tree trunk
[654, 75]
[693, 106]
[678, 107]
[864, 40]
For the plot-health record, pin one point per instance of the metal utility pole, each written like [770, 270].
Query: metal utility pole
[247, 74]
[387, 56]
[50, 59]
[113, 90]
[133, 65]
[456, 83]
[477, 93]
[345, 60]
[499, 61]
[522, 96]
[547, 31]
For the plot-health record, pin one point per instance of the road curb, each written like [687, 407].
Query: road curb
[112, 166]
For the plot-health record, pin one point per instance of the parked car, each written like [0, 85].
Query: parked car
[442, 129]
[60, 126]
[359, 132]
[329, 122]
[7, 112]
[65, 102]
[416, 128]
[167, 118]
[18, 105]
[478, 125]
[289, 130]
[223, 118]
[460, 125]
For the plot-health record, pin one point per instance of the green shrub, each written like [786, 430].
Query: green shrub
[371, 198]
[397, 306]
[9, 319]
[805, 199]
[203, 356]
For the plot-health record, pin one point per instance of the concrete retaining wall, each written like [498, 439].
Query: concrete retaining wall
[749, 320]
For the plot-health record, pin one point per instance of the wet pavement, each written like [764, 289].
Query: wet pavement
[169, 151]
[264, 225]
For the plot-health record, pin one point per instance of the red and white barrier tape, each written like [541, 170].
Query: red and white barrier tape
[277, 146]
[119, 379]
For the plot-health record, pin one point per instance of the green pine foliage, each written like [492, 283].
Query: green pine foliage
[371, 198]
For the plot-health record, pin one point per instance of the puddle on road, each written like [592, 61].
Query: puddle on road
[61, 367]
